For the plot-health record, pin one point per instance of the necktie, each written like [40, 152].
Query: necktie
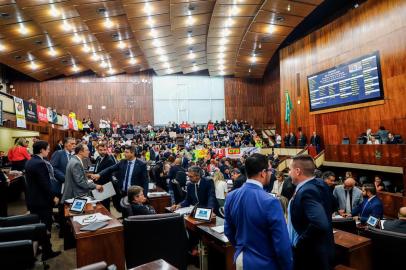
[127, 176]
[196, 193]
[347, 202]
[97, 165]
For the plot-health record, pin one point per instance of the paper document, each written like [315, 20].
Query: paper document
[89, 200]
[108, 191]
[219, 229]
[157, 194]
[151, 186]
[184, 210]
[87, 219]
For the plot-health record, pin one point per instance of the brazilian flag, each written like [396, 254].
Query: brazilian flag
[288, 108]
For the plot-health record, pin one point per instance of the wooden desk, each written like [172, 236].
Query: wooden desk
[220, 250]
[155, 265]
[353, 250]
[105, 244]
[159, 202]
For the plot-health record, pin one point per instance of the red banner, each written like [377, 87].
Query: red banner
[70, 123]
[42, 114]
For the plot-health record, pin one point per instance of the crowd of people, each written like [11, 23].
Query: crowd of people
[381, 136]
[297, 217]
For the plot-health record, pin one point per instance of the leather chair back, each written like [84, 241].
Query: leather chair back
[345, 224]
[388, 248]
[94, 266]
[151, 237]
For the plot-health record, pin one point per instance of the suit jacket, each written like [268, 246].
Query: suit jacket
[76, 183]
[262, 234]
[139, 175]
[141, 209]
[372, 208]
[206, 196]
[292, 141]
[310, 212]
[59, 161]
[339, 196]
[302, 140]
[101, 164]
[397, 225]
[39, 191]
[185, 162]
[239, 182]
[315, 140]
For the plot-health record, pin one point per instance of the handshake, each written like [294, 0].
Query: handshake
[96, 177]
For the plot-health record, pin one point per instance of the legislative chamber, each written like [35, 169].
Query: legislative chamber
[202, 134]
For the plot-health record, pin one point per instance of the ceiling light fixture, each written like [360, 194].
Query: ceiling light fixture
[76, 38]
[195, 68]
[191, 55]
[153, 33]
[223, 41]
[110, 71]
[234, 10]
[271, 29]
[253, 58]
[167, 65]
[75, 68]
[221, 55]
[22, 29]
[86, 48]
[2, 47]
[33, 65]
[52, 51]
[190, 20]
[133, 61]
[95, 57]
[66, 26]
[54, 11]
[221, 67]
[108, 23]
[160, 51]
[157, 43]
[222, 72]
[169, 70]
[189, 41]
[121, 45]
[221, 61]
[150, 21]
[222, 49]
[229, 22]
[163, 58]
[148, 8]
[103, 64]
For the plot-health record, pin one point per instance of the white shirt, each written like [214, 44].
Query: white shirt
[277, 187]
[221, 189]
[255, 182]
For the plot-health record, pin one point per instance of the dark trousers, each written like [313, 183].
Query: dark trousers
[3, 199]
[45, 216]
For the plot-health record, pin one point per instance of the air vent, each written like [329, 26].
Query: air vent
[18, 57]
[4, 15]
[38, 42]
[101, 10]
[65, 61]
[191, 8]
[128, 53]
[279, 18]
[115, 36]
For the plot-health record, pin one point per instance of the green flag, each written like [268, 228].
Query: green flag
[288, 108]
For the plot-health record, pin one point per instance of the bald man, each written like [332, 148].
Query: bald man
[397, 225]
[347, 196]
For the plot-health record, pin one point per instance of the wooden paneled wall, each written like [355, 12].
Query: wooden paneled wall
[127, 97]
[375, 26]
[254, 100]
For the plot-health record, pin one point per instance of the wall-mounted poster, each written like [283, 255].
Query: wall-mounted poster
[42, 114]
[20, 114]
[65, 122]
[54, 116]
[50, 114]
[30, 111]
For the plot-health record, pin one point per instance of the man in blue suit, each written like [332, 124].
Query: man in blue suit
[129, 172]
[309, 217]
[370, 206]
[200, 191]
[254, 221]
[59, 161]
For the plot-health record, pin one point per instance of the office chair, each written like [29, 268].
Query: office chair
[151, 237]
[387, 248]
[17, 254]
[345, 224]
[126, 207]
[398, 138]
[345, 140]
[178, 193]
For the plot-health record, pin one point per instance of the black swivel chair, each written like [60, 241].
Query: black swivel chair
[387, 248]
[151, 237]
[345, 224]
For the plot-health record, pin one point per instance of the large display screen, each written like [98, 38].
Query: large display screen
[356, 81]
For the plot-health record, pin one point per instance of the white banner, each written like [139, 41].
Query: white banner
[20, 113]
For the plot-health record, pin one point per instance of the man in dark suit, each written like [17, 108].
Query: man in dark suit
[104, 161]
[397, 225]
[137, 201]
[292, 140]
[129, 172]
[59, 161]
[200, 191]
[315, 141]
[302, 139]
[371, 206]
[40, 197]
[309, 217]
[4, 182]
[238, 178]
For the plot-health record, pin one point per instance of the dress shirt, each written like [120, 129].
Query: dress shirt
[130, 166]
[294, 237]
[255, 182]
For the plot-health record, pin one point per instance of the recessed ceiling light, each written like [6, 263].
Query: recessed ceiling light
[249, 70]
[222, 49]
[22, 29]
[85, 48]
[223, 41]
[76, 38]
[189, 41]
[110, 71]
[221, 55]
[156, 43]
[288, 8]
[54, 11]
[225, 32]
[229, 22]
[108, 23]
[121, 45]
[222, 73]
[253, 58]
[103, 64]
[160, 51]
[95, 57]
[167, 65]
[153, 33]
[190, 20]
[2, 47]
[150, 21]
[66, 26]
[133, 61]
[221, 67]
[220, 61]
[169, 70]
[271, 29]
[52, 52]
[33, 65]
[75, 68]
[234, 10]
[195, 68]
[148, 8]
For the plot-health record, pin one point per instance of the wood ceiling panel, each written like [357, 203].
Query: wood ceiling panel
[69, 40]
[125, 54]
[196, 47]
[155, 60]
[29, 3]
[187, 56]
[216, 49]
[240, 22]
[80, 49]
[8, 46]
[230, 32]
[10, 14]
[17, 57]
[153, 51]
[197, 61]
[258, 46]
[54, 12]
[13, 31]
[99, 10]
[229, 41]
[139, 10]
[271, 29]
[159, 32]
[35, 42]
[115, 35]
[195, 8]
[99, 25]
[289, 7]
[142, 22]
[245, 2]
[258, 37]
[48, 54]
[120, 45]
[192, 69]
[193, 40]
[195, 31]
[182, 22]
[45, 74]
[277, 18]
[64, 27]
[165, 41]
[236, 11]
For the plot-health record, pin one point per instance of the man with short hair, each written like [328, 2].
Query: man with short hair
[309, 217]
[200, 191]
[371, 206]
[129, 171]
[40, 197]
[76, 183]
[397, 225]
[348, 196]
[254, 221]
[103, 161]
[137, 201]
[59, 161]
[238, 178]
